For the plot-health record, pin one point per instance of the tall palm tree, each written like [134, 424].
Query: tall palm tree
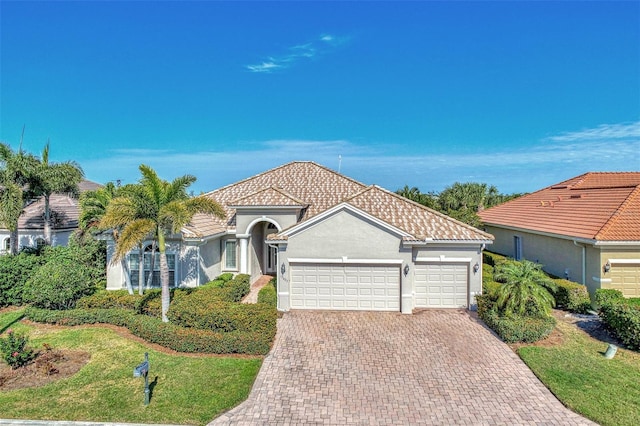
[15, 168]
[170, 209]
[49, 178]
[525, 287]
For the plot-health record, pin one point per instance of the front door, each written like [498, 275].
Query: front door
[271, 260]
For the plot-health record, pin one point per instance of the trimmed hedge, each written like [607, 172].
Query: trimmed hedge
[492, 259]
[514, 328]
[607, 296]
[108, 299]
[624, 321]
[572, 296]
[268, 294]
[155, 331]
[14, 273]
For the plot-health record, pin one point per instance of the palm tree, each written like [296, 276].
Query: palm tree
[526, 289]
[15, 167]
[49, 178]
[93, 206]
[169, 209]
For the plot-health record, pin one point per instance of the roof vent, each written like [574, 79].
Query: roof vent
[576, 196]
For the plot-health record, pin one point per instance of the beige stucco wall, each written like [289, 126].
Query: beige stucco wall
[348, 237]
[210, 255]
[247, 218]
[558, 257]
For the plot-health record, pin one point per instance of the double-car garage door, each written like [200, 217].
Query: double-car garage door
[345, 287]
[376, 287]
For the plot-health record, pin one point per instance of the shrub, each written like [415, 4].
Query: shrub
[514, 329]
[109, 299]
[268, 294]
[624, 321]
[492, 259]
[14, 273]
[572, 297]
[605, 296]
[227, 276]
[14, 350]
[155, 331]
[58, 285]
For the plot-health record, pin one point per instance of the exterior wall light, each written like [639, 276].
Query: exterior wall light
[476, 268]
[283, 268]
[606, 267]
[406, 269]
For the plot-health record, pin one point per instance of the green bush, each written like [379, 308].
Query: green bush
[227, 276]
[14, 273]
[605, 296]
[107, 299]
[492, 259]
[14, 350]
[572, 297]
[268, 294]
[58, 285]
[155, 331]
[624, 321]
[513, 328]
[519, 328]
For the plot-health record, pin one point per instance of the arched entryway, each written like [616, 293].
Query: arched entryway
[263, 258]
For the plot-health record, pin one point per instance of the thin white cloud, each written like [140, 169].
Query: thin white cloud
[296, 53]
[511, 170]
[604, 131]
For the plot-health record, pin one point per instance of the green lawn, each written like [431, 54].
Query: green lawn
[605, 391]
[186, 389]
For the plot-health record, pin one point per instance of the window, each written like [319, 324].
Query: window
[6, 248]
[134, 267]
[230, 255]
[517, 247]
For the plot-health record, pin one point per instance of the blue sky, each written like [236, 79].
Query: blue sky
[516, 94]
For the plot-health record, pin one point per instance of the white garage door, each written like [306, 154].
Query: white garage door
[345, 287]
[441, 285]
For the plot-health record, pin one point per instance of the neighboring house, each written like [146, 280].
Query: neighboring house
[64, 216]
[586, 229]
[333, 243]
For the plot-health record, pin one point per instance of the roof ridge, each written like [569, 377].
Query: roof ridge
[430, 210]
[616, 215]
[281, 167]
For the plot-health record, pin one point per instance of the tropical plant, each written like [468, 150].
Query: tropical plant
[429, 200]
[169, 209]
[14, 349]
[15, 168]
[48, 178]
[526, 289]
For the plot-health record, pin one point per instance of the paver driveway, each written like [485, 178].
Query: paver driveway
[433, 367]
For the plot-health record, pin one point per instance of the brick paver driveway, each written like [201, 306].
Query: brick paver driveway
[433, 367]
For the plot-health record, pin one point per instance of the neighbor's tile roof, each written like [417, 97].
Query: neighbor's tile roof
[601, 206]
[65, 210]
[318, 189]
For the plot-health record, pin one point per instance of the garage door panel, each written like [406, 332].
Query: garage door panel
[441, 285]
[626, 278]
[350, 287]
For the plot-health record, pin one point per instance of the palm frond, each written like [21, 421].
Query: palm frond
[132, 234]
[202, 204]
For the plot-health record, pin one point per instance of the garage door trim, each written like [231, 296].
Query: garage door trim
[346, 260]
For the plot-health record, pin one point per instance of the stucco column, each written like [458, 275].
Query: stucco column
[244, 254]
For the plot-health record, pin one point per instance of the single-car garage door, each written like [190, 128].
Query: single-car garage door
[345, 287]
[625, 278]
[441, 285]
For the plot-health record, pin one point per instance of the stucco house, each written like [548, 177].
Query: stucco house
[586, 229]
[65, 212]
[334, 243]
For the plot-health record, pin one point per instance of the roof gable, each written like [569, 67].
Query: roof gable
[272, 196]
[598, 206]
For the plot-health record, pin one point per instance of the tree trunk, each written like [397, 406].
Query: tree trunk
[13, 241]
[140, 270]
[153, 264]
[164, 277]
[47, 220]
[127, 275]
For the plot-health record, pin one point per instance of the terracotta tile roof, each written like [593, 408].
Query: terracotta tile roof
[413, 218]
[601, 206]
[272, 196]
[318, 189]
[316, 186]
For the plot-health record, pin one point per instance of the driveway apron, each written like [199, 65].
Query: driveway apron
[373, 368]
